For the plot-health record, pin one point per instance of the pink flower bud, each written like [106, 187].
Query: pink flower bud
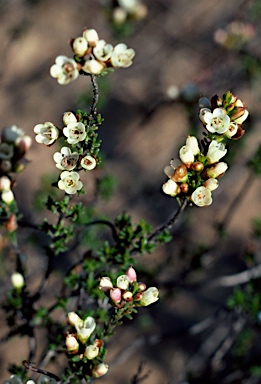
[115, 294]
[131, 273]
[100, 370]
[23, 143]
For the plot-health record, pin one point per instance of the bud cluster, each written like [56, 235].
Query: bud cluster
[68, 160]
[80, 342]
[92, 56]
[195, 174]
[14, 145]
[125, 10]
[128, 291]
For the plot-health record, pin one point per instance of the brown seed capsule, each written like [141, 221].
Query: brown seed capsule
[184, 187]
[197, 166]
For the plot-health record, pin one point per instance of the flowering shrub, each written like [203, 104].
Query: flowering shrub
[103, 279]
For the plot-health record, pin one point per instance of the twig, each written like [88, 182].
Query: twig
[28, 365]
[170, 223]
[237, 279]
[95, 98]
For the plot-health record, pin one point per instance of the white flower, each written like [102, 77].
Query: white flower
[17, 280]
[232, 130]
[242, 118]
[217, 121]
[64, 70]
[100, 370]
[215, 152]
[201, 197]
[149, 296]
[123, 282]
[74, 319]
[105, 284]
[91, 36]
[7, 197]
[128, 4]
[186, 154]
[75, 132]
[85, 331]
[66, 160]
[192, 142]
[93, 66]
[202, 113]
[88, 162]
[211, 184]
[91, 351]
[80, 46]
[69, 117]
[70, 182]
[122, 56]
[10, 134]
[6, 151]
[217, 170]
[47, 133]
[5, 183]
[170, 188]
[102, 51]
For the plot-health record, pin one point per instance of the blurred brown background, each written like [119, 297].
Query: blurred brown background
[142, 131]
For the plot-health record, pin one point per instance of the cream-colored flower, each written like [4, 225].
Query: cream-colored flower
[17, 280]
[69, 117]
[170, 188]
[151, 295]
[88, 162]
[64, 70]
[217, 121]
[91, 351]
[201, 197]
[192, 142]
[85, 331]
[217, 170]
[70, 182]
[123, 282]
[100, 370]
[211, 184]
[186, 154]
[232, 130]
[91, 36]
[215, 152]
[46, 133]
[102, 51]
[80, 46]
[75, 132]
[66, 160]
[93, 66]
[122, 56]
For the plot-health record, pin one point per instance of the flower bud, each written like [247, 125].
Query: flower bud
[123, 282]
[127, 296]
[119, 15]
[105, 284]
[131, 273]
[23, 143]
[80, 46]
[202, 113]
[211, 184]
[91, 352]
[192, 142]
[180, 173]
[17, 280]
[197, 166]
[91, 36]
[69, 117]
[5, 183]
[93, 66]
[217, 170]
[100, 370]
[186, 154]
[170, 188]
[7, 197]
[142, 286]
[115, 294]
[72, 344]
[11, 224]
[98, 343]
[74, 319]
[184, 187]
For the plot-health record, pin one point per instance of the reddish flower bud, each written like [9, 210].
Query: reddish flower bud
[115, 294]
[131, 273]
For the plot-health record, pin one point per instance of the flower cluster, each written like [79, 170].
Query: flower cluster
[128, 290]
[14, 379]
[91, 56]
[195, 175]
[235, 35]
[124, 10]
[81, 343]
[14, 145]
[69, 160]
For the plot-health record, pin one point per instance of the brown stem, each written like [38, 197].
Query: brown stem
[95, 98]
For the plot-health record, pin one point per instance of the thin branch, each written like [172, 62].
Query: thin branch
[236, 279]
[170, 223]
[95, 98]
